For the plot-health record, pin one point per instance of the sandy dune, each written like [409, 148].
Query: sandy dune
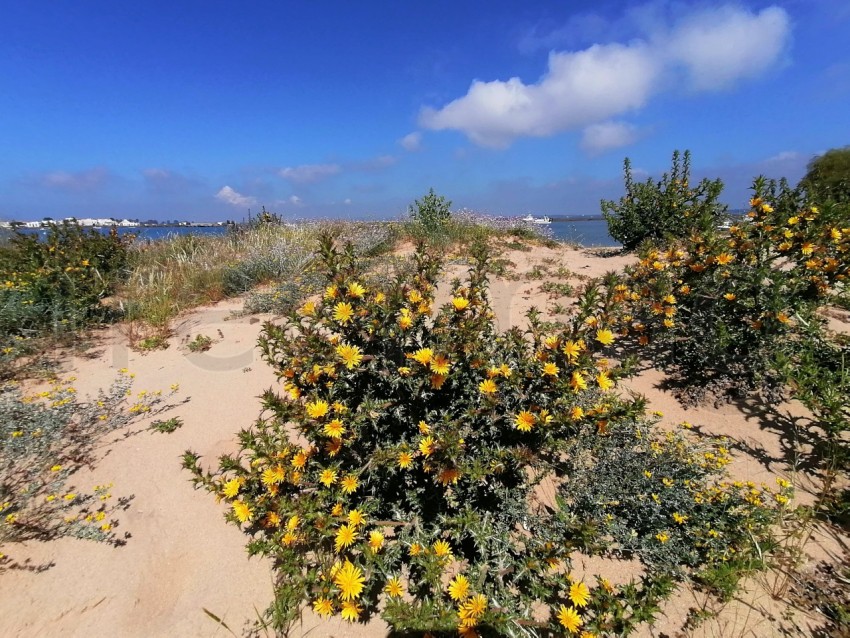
[181, 557]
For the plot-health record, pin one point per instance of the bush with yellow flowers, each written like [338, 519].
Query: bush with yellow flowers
[717, 307]
[417, 463]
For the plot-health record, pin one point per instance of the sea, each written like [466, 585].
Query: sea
[590, 232]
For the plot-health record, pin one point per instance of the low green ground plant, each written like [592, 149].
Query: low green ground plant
[417, 463]
[201, 343]
[46, 438]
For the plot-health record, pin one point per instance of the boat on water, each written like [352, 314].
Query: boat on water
[536, 220]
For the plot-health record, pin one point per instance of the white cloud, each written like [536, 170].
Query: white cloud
[295, 200]
[347, 200]
[230, 196]
[719, 47]
[411, 141]
[86, 180]
[580, 88]
[307, 173]
[374, 164]
[784, 156]
[604, 136]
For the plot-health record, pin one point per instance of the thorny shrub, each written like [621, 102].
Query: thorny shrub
[404, 464]
[718, 308]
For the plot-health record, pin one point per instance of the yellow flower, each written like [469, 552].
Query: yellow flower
[423, 356]
[577, 381]
[273, 475]
[460, 303]
[393, 588]
[459, 588]
[426, 446]
[331, 292]
[328, 477]
[356, 290]
[343, 312]
[405, 459]
[604, 381]
[380, 297]
[414, 296]
[351, 356]
[336, 510]
[404, 319]
[231, 488]
[424, 428]
[243, 511]
[349, 484]
[55, 468]
[356, 518]
[487, 386]
[309, 308]
[570, 619]
[605, 337]
[323, 607]
[729, 296]
[579, 594]
[317, 409]
[475, 606]
[334, 429]
[724, 258]
[415, 549]
[550, 369]
[807, 248]
[576, 413]
[350, 581]
[662, 537]
[442, 549]
[350, 611]
[525, 421]
[376, 540]
[440, 365]
[679, 518]
[572, 350]
[299, 460]
[345, 536]
[449, 475]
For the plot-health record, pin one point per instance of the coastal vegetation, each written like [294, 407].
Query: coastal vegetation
[412, 449]
[417, 463]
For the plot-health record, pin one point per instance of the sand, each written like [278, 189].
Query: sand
[182, 558]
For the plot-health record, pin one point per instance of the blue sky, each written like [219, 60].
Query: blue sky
[203, 110]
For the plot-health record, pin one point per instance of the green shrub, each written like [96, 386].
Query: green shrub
[58, 284]
[404, 466]
[432, 211]
[667, 208]
[718, 308]
[827, 177]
